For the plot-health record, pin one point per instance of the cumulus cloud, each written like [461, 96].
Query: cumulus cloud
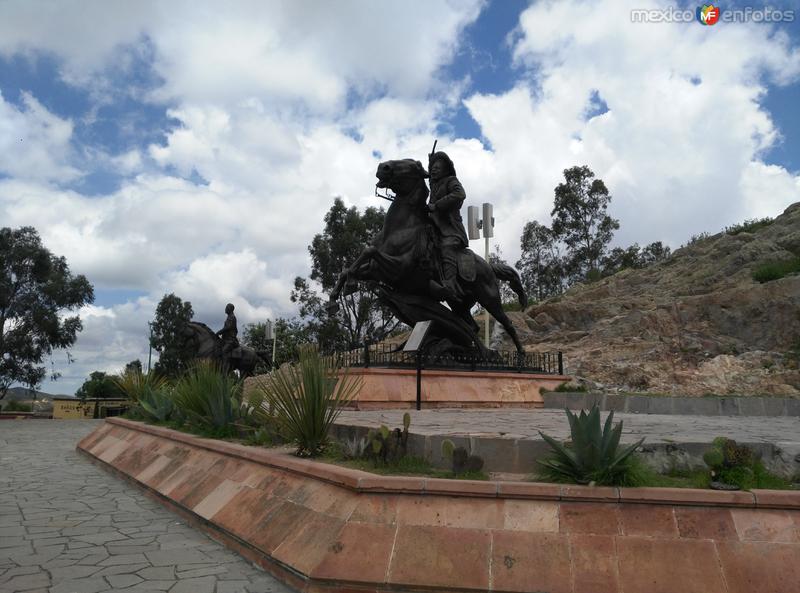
[280, 107]
[34, 143]
[681, 144]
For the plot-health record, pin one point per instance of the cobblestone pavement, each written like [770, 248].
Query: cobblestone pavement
[526, 424]
[68, 526]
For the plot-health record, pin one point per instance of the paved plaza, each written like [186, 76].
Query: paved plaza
[68, 526]
[526, 424]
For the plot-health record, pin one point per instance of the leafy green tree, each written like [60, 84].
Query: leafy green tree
[347, 232]
[324, 329]
[620, 259]
[655, 252]
[633, 257]
[99, 385]
[540, 265]
[290, 333]
[171, 315]
[134, 366]
[36, 288]
[581, 222]
[507, 294]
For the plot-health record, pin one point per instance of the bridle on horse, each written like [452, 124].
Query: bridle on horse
[385, 196]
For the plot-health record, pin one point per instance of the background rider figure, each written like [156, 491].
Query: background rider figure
[228, 333]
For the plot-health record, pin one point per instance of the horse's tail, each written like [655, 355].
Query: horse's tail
[509, 274]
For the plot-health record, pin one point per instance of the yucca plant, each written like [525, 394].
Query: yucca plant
[593, 456]
[306, 399]
[208, 397]
[135, 384]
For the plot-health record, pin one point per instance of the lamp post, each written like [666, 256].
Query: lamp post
[150, 344]
[271, 333]
[478, 221]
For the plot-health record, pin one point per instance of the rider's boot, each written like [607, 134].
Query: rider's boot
[441, 292]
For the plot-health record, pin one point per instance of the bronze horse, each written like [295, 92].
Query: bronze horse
[208, 345]
[403, 258]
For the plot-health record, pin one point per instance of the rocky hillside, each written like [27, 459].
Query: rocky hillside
[695, 324]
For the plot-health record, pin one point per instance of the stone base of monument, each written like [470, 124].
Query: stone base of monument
[321, 527]
[394, 388]
[397, 388]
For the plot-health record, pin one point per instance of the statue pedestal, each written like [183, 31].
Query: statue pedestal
[386, 388]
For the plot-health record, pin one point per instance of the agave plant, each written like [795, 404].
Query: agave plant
[156, 404]
[209, 397]
[306, 399]
[593, 456]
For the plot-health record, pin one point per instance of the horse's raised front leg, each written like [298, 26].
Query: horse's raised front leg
[345, 278]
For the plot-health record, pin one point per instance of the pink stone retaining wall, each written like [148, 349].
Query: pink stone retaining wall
[321, 527]
[397, 388]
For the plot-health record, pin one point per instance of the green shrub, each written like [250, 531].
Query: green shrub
[749, 226]
[15, 406]
[570, 388]
[135, 384]
[737, 465]
[593, 456]
[209, 399]
[307, 398]
[776, 270]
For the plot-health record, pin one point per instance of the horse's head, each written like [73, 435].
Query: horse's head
[198, 336]
[188, 333]
[401, 176]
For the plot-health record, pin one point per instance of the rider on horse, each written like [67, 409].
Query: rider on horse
[228, 334]
[447, 195]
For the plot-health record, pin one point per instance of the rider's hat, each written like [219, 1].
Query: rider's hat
[450, 168]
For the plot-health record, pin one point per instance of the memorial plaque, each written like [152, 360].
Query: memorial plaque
[414, 343]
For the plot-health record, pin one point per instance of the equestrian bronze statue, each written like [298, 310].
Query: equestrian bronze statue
[420, 258]
[204, 343]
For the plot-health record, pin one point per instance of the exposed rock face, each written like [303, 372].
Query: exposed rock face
[697, 323]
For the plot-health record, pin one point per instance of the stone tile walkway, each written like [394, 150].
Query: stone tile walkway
[67, 526]
[526, 424]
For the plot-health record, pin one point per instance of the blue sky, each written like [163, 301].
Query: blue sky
[189, 149]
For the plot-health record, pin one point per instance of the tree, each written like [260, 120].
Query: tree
[361, 317]
[134, 366]
[632, 257]
[290, 333]
[36, 288]
[581, 222]
[99, 385]
[171, 315]
[621, 259]
[655, 252]
[540, 265]
[507, 294]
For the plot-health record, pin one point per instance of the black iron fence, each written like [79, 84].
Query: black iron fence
[388, 356]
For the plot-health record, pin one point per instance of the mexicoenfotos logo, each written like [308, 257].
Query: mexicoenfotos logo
[708, 14]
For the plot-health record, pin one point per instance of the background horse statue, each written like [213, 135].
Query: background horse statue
[403, 261]
[207, 344]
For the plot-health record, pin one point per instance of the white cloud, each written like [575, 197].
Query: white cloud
[282, 106]
[34, 143]
[681, 145]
